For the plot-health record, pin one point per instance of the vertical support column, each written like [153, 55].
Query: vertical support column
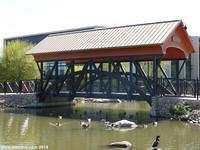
[56, 77]
[118, 82]
[101, 80]
[177, 77]
[86, 79]
[136, 78]
[41, 82]
[72, 79]
[109, 78]
[41, 77]
[20, 86]
[91, 78]
[155, 76]
[131, 69]
[131, 76]
[148, 70]
[5, 87]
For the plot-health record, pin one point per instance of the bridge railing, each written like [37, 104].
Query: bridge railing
[30, 86]
[179, 87]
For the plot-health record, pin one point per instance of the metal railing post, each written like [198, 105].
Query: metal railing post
[4, 87]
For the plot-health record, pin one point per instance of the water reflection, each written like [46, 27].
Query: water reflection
[10, 121]
[32, 127]
[24, 127]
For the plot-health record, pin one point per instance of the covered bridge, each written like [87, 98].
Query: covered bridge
[90, 63]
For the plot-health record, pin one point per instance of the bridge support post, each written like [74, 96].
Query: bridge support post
[90, 77]
[56, 78]
[109, 77]
[155, 76]
[41, 81]
[41, 76]
[177, 77]
[101, 80]
[72, 86]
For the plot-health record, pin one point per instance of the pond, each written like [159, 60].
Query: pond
[33, 127]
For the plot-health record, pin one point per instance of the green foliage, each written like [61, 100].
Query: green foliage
[149, 64]
[78, 68]
[180, 108]
[15, 64]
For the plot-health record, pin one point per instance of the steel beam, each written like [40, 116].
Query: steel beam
[167, 79]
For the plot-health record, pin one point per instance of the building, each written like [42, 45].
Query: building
[192, 65]
[36, 38]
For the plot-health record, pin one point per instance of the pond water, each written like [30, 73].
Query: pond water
[35, 127]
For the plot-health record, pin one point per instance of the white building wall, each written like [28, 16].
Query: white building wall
[194, 62]
[195, 58]
[183, 72]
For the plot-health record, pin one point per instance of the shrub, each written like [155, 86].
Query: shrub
[180, 108]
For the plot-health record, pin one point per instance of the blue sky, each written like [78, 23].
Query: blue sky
[21, 17]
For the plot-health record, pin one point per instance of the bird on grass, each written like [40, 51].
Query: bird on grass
[155, 144]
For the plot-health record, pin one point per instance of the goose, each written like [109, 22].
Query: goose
[155, 123]
[86, 125]
[155, 144]
[121, 144]
[145, 126]
[58, 124]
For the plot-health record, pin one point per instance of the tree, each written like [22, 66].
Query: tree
[16, 65]
[147, 66]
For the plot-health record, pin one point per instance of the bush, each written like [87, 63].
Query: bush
[180, 108]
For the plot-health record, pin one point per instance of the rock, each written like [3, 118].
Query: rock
[124, 124]
[106, 101]
[121, 144]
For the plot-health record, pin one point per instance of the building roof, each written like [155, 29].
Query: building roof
[107, 38]
[36, 38]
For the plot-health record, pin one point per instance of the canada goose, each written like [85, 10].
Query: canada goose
[145, 126]
[58, 124]
[155, 123]
[121, 144]
[86, 125]
[155, 144]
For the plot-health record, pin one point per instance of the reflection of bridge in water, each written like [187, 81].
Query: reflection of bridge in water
[109, 62]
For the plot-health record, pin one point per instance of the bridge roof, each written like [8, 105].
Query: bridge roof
[140, 39]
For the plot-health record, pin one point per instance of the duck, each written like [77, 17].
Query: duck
[86, 125]
[155, 144]
[121, 144]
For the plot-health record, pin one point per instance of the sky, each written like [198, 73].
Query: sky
[23, 17]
